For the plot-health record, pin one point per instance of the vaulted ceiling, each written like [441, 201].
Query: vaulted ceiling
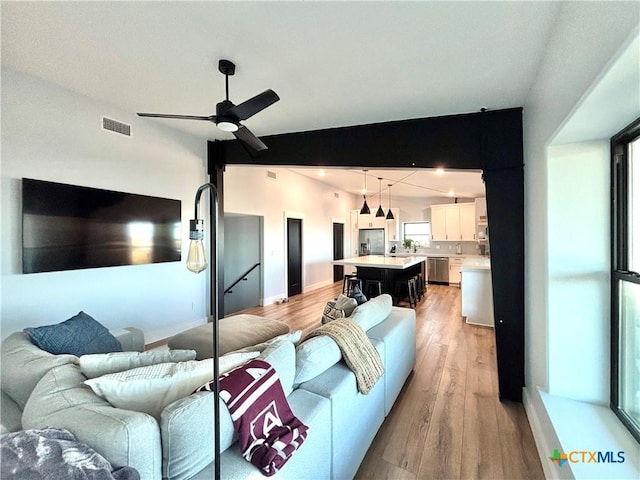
[332, 63]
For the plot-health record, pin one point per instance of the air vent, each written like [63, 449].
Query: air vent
[116, 127]
[271, 174]
[336, 194]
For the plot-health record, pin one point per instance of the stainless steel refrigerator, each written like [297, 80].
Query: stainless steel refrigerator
[371, 241]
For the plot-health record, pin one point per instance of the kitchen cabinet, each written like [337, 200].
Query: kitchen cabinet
[438, 223]
[354, 232]
[455, 263]
[481, 212]
[453, 222]
[392, 230]
[371, 221]
[467, 221]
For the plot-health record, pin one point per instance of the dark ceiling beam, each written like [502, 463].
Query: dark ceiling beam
[490, 141]
[452, 141]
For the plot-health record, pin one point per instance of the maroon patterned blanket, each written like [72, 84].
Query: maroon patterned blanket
[269, 432]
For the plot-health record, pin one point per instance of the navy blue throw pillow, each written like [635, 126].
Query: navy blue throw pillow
[358, 295]
[80, 335]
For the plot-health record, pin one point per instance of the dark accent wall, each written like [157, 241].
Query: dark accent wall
[491, 141]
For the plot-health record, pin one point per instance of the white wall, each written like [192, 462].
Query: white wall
[587, 37]
[579, 271]
[249, 191]
[567, 232]
[49, 133]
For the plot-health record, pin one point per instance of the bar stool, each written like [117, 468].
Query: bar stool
[351, 283]
[345, 282]
[372, 288]
[420, 290]
[406, 289]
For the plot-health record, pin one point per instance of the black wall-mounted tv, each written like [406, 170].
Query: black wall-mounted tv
[67, 227]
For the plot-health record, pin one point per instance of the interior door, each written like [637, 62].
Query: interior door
[242, 251]
[338, 251]
[294, 256]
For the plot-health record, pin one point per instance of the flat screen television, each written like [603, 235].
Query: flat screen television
[67, 227]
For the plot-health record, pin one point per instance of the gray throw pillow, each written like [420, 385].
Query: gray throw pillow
[358, 295]
[79, 335]
[347, 304]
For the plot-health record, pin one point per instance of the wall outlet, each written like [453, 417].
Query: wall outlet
[437, 247]
[449, 247]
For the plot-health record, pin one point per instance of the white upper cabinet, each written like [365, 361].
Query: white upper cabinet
[371, 221]
[453, 222]
[438, 223]
[481, 211]
[467, 221]
[392, 231]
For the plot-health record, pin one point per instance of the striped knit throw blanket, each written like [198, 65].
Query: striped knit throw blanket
[358, 352]
[269, 432]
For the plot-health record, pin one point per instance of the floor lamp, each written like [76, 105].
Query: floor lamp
[197, 262]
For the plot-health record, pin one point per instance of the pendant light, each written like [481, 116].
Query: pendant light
[365, 208]
[390, 213]
[380, 212]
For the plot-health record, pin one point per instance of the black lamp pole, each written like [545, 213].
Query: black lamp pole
[197, 262]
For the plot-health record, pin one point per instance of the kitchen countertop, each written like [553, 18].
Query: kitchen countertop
[381, 261]
[476, 264]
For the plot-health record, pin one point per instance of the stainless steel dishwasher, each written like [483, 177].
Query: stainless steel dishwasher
[438, 270]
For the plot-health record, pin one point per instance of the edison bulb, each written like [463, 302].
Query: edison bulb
[197, 258]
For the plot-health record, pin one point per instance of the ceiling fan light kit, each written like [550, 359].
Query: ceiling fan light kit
[228, 115]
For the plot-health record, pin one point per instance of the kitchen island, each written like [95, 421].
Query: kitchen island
[477, 292]
[385, 268]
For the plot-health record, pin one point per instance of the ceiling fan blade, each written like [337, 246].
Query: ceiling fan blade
[244, 135]
[252, 106]
[211, 118]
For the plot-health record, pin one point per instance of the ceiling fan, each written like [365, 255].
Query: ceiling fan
[228, 115]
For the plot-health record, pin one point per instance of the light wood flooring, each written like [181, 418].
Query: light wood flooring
[447, 422]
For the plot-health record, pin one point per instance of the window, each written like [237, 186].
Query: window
[419, 232]
[625, 277]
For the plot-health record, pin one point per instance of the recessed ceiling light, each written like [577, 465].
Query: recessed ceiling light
[451, 193]
[321, 173]
[439, 171]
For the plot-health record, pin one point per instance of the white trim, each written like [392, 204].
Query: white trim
[315, 286]
[272, 299]
[541, 439]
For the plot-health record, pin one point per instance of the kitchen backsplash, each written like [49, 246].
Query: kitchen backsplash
[467, 248]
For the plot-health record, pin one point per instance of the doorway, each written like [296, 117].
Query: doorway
[294, 256]
[338, 250]
[242, 262]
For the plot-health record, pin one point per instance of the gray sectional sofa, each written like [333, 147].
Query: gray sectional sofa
[323, 395]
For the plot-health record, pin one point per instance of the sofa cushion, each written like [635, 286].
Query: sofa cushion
[79, 335]
[314, 356]
[311, 461]
[235, 332]
[371, 313]
[292, 337]
[99, 364]
[149, 389]
[10, 414]
[282, 356]
[189, 421]
[123, 437]
[23, 365]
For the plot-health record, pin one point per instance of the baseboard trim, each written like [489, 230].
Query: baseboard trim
[543, 443]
